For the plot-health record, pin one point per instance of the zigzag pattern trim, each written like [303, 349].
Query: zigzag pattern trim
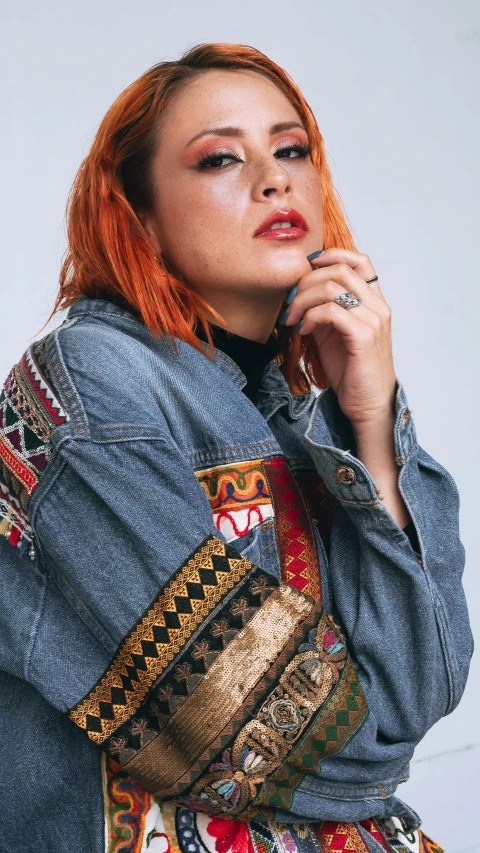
[42, 388]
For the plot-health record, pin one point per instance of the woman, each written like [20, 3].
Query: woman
[231, 607]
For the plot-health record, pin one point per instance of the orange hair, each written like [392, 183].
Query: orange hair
[109, 254]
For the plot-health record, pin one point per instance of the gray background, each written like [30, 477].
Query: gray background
[395, 89]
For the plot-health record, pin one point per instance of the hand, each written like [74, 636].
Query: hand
[355, 345]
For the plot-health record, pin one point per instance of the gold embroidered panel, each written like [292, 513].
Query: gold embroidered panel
[223, 690]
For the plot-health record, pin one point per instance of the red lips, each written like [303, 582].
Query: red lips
[297, 222]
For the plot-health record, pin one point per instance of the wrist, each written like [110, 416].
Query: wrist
[376, 418]
[378, 423]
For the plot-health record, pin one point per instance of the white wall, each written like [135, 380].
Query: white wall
[393, 86]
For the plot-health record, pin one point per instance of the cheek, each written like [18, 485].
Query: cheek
[312, 189]
[193, 220]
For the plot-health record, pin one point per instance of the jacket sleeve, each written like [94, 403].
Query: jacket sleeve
[406, 618]
[167, 646]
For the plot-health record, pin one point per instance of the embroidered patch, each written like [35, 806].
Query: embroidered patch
[126, 806]
[189, 598]
[274, 720]
[335, 837]
[29, 411]
[338, 720]
[199, 833]
[136, 821]
[263, 744]
[238, 495]
[429, 846]
[296, 542]
[372, 827]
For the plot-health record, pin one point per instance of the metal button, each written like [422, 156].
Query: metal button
[346, 475]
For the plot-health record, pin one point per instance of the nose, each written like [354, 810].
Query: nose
[272, 179]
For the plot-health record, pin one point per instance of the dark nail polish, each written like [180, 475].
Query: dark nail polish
[315, 255]
[298, 326]
[291, 295]
[283, 316]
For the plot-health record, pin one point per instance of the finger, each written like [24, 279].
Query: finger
[354, 330]
[363, 313]
[358, 262]
[322, 286]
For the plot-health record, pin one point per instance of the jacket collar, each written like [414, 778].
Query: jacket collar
[273, 390]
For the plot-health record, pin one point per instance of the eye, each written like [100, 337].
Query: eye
[214, 161]
[299, 150]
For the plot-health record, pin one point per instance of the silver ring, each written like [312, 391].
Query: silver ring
[347, 300]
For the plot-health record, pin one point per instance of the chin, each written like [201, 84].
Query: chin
[286, 273]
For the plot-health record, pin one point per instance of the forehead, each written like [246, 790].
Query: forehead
[221, 97]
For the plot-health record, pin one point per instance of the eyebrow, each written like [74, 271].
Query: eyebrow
[237, 131]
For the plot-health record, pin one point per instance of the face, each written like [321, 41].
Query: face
[213, 193]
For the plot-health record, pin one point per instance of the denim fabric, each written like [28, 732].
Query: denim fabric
[118, 508]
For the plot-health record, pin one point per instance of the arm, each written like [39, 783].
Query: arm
[407, 623]
[376, 449]
[165, 645]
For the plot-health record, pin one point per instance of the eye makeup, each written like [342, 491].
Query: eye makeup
[211, 160]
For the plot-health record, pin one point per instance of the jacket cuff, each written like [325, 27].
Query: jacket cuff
[332, 446]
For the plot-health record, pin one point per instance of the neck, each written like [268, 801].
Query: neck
[247, 315]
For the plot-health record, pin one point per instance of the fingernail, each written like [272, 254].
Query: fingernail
[283, 316]
[298, 326]
[291, 295]
[315, 255]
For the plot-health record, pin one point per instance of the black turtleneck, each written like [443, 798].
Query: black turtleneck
[252, 358]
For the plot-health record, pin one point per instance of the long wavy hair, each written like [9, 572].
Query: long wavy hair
[109, 254]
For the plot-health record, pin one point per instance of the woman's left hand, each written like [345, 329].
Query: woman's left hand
[354, 345]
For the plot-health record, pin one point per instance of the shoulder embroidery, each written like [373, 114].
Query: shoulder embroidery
[29, 410]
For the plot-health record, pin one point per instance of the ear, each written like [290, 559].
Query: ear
[149, 226]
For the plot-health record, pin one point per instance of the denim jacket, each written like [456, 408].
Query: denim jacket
[208, 593]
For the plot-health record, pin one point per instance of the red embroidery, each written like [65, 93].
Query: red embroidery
[231, 836]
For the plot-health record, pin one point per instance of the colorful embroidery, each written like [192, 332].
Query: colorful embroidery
[190, 597]
[29, 411]
[230, 835]
[296, 541]
[372, 827]
[160, 766]
[340, 838]
[401, 840]
[238, 495]
[283, 712]
[198, 833]
[428, 845]
[339, 719]
[319, 502]
[172, 690]
[232, 783]
[247, 710]
[136, 821]
[126, 805]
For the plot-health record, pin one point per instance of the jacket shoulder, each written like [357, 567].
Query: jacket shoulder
[109, 374]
